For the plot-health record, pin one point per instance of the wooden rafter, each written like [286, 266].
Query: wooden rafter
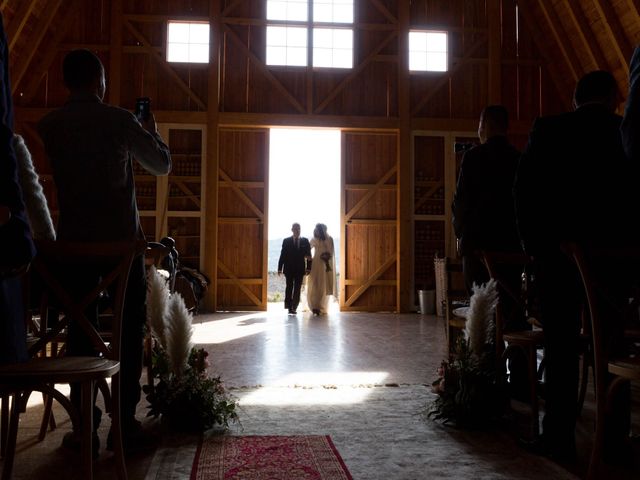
[527, 14]
[589, 41]
[37, 73]
[634, 6]
[370, 281]
[373, 189]
[259, 64]
[354, 73]
[562, 40]
[40, 30]
[433, 90]
[385, 11]
[19, 20]
[243, 196]
[612, 26]
[238, 282]
[157, 56]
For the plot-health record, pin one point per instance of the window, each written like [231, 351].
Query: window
[291, 32]
[188, 42]
[427, 51]
[286, 46]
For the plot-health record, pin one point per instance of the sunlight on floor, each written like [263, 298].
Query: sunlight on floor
[317, 388]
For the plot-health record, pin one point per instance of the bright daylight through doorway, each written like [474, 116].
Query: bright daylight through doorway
[304, 187]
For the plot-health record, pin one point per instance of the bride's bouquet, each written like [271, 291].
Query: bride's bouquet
[326, 258]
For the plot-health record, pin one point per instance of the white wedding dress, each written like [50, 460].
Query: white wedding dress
[321, 283]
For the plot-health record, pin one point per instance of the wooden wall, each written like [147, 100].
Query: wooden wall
[494, 58]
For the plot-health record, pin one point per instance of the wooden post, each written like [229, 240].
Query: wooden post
[210, 211]
[115, 53]
[405, 213]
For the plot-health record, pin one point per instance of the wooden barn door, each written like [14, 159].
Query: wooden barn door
[242, 219]
[369, 239]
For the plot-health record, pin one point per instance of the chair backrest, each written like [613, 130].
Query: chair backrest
[506, 269]
[57, 260]
[607, 276]
[455, 290]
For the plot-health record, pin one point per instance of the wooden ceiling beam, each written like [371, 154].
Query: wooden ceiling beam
[158, 57]
[615, 31]
[587, 37]
[562, 39]
[19, 20]
[260, 65]
[354, 73]
[41, 28]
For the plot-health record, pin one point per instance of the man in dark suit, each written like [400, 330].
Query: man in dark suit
[295, 254]
[483, 213]
[571, 185]
[16, 245]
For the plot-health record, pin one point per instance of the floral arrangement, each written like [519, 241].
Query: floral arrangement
[184, 395]
[326, 257]
[468, 388]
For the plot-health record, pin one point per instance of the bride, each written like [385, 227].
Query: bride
[321, 282]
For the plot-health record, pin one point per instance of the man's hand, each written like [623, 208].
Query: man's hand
[150, 124]
[5, 214]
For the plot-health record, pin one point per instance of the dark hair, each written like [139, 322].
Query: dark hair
[497, 116]
[596, 86]
[80, 69]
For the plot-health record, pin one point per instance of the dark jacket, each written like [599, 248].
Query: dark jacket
[574, 182]
[483, 210]
[292, 260]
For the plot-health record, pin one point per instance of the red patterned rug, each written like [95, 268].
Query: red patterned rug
[268, 457]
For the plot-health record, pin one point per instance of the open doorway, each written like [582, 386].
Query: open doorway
[304, 187]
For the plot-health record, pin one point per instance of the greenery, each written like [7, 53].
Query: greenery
[470, 393]
[191, 401]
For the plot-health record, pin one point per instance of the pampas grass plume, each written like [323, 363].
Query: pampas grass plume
[480, 324]
[178, 334]
[157, 304]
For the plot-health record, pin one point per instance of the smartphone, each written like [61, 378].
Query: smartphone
[143, 108]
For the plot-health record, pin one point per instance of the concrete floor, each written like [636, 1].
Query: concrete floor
[271, 360]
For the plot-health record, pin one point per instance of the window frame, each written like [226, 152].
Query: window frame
[187, 62]
[427, 30]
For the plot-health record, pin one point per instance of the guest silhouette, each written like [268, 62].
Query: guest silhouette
[293, 263]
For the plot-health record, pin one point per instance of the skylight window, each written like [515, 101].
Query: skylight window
[332, 47]
[287, 10]
[188, 42]
[286, 46]
[427, 51]
[294, 26]
[333, 11]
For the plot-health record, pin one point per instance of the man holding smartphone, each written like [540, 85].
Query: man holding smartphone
[91, 146]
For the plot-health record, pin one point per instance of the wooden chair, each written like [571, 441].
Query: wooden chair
[40, 374]
[611, 372]
[455, 298]
[500, 265]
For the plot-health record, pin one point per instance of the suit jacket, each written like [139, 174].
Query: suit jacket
[292, 260]
[630, 127]
[16, 245]
[483, 211]
[574, 182]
